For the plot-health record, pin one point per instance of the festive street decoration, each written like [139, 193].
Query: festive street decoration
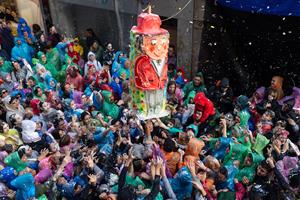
[148, 55]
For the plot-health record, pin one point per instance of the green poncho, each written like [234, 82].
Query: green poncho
[191, 87]
[6, 67]
[236, 152]
[53, 58]
[260, 143]
[109, 108]
[15, 161]
[50, 66]
[190, 96]
[244, 118]
[249, 171]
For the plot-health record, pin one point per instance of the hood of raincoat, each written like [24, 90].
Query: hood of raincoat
[194, 128]
[39, 55]
[236, 152]
[260, 94]
[194, 147]
[199, 74]
[190, 96]
[181, 183]
[16, 39]
[90, 54]
[109, 108]
[34, 104]
[287, 164]
[48, 79]
[28, 131]
[123, 61]
[117, 59]
[249, 171]
[15, 161]
[202, 103]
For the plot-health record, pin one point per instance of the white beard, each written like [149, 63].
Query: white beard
[159, 66]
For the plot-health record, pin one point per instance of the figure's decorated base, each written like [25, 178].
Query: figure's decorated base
[142, 116]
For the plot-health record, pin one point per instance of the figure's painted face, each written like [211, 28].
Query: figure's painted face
[156, 47]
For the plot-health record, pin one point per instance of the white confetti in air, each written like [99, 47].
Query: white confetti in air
[283, 33]
[250, 43]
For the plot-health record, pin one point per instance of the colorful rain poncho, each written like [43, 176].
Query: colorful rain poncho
[25, 187]
[15, 161]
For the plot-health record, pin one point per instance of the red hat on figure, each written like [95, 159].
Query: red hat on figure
[149, 23]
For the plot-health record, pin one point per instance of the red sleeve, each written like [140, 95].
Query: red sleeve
[240, 191]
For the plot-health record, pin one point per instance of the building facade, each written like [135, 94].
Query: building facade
[73, 17]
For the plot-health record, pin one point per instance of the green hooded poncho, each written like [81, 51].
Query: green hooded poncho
[249, 171]
[15, 161]
[50, 66]
[109, 108]
[6, 67]
[191, 87]
[236, 152]
[190, 96]
[53, 58]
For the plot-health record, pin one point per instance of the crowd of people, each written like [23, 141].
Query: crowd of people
[67, 131]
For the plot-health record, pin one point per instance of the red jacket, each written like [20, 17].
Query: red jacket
[145, 75]
[202, 103]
